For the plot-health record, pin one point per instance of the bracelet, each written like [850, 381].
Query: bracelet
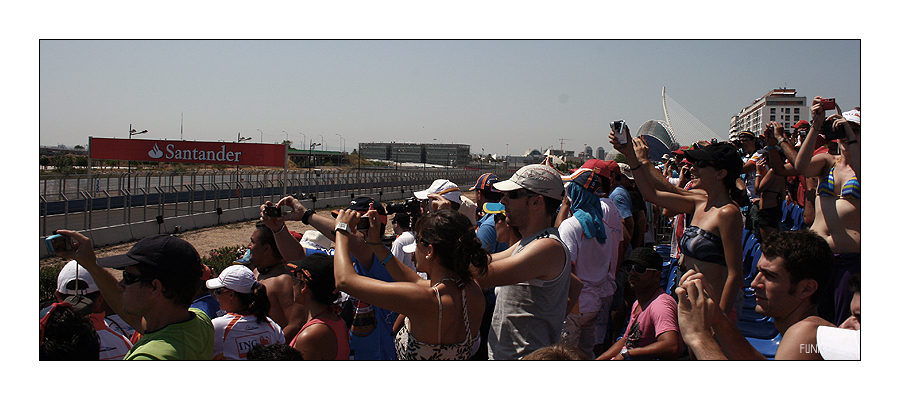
[373, 244]
[634, 168]
[283, 225]
[305, 219]
[386, 259]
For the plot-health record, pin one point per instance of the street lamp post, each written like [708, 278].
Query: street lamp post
[240, 139]
[342, 147]
[260, 134]
[132, 132]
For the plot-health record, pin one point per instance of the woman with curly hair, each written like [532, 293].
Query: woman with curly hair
[443, 314]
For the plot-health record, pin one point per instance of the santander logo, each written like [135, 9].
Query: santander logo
[194, 154]
[156, 152]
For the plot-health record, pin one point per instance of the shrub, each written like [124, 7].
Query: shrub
[222, 258]
[47, 281]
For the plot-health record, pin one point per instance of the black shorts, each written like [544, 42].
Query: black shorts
[770, 217]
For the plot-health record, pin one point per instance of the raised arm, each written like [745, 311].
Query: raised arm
[652, 186]
[542, 259]
[399, 271]
[402, 297]
[84, 254]
[288, 246]
[805, 163]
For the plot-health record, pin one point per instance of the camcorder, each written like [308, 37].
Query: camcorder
[409, 206]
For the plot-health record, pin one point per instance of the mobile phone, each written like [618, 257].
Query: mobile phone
[828, 104]
[273, 211]
[58, 242]
[618, 128]
[363, 224]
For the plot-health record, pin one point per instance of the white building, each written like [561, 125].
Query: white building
[779, 105]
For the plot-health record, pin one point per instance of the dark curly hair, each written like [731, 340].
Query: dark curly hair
[806, 255]
[455, 243]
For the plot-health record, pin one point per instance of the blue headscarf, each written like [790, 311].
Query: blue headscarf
[586, 208]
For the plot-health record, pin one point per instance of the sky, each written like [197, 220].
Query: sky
[496, 95]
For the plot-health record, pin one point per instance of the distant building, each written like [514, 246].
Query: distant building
[779, 105]
[601, 153]
[588, 152]
[450, 154]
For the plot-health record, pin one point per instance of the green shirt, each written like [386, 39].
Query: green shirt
[190, 340]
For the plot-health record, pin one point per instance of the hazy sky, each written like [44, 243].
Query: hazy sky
[485, 93]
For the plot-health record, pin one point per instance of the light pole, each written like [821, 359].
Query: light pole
[304, 141]
[237, 168]
[323, 141]
[260, 134]
[342, 147]
[132, 132]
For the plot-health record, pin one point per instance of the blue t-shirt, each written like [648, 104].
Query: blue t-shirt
[487, 233]
[371, 333]
[372, 329]
[622, 200]
[207, 303]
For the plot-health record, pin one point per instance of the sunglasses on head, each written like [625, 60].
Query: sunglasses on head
[129, 278]
[638, 269]
[521, 193]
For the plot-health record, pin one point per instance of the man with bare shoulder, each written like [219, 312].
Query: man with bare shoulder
[794, 271]
[272, 271]
[532, 277]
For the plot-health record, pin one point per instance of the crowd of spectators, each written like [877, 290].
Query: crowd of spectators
[540, 266]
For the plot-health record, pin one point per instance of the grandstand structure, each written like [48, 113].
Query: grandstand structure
[680, 128]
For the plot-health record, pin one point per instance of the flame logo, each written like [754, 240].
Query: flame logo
[156, 152]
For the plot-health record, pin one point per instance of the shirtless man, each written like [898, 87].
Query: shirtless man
[272, 271]
[769, 186]
[794, 269]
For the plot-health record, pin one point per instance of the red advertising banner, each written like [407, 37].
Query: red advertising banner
[180, 151]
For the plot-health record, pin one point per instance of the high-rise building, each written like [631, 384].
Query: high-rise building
[588, 152]
[779, 105]
[601, 153]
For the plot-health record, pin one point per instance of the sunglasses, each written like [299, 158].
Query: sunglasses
[520, 193]
[129, 278]
[638, 269]
[703, 163]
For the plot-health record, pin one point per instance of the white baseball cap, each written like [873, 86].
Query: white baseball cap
[66, 282]
[313, 239]
[236, 277]
[443, 187]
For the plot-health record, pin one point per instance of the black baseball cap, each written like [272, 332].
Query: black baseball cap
[164, 253]
[646, 257]
[720, 155]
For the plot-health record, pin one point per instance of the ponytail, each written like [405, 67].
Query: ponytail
[257, 302]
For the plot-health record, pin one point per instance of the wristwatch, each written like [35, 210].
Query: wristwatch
[342, 226]
[625, 354]
[782, 140]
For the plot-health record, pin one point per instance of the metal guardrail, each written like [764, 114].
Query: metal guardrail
[72, 202]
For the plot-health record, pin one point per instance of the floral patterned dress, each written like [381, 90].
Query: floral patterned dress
[410, 348]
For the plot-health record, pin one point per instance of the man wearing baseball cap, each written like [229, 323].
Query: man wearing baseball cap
[160, 276]
[532, 278]
[440, 193]
[485, 193]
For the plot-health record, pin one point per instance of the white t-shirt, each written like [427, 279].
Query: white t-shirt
[404, 239]
[594, 263]
[237, 334]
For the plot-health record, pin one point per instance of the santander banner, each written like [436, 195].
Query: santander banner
[179, 151]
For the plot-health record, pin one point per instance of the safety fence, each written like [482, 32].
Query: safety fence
[132, 206]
